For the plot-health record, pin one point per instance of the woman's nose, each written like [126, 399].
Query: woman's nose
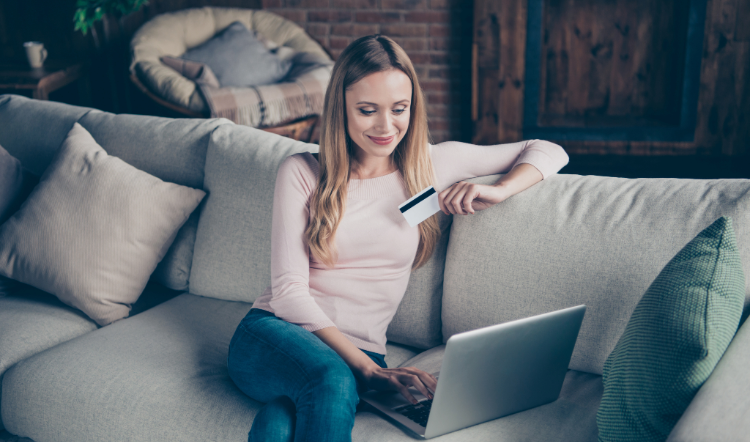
[384, 122]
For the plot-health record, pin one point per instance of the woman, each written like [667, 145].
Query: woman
[342, 252]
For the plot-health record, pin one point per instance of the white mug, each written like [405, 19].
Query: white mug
[36, 53]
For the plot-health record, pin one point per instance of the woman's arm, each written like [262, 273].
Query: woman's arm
[465, 198]
[526, 163]
[374, 376]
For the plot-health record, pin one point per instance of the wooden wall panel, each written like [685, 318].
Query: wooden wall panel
[624, 81]
[500, 35]
[611, 59]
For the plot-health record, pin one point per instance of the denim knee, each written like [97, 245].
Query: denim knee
[336, 382]
[274, 422]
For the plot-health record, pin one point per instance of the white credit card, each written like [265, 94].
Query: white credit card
[420, 207]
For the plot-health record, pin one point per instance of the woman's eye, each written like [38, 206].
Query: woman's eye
[365, 112]
[399, 111]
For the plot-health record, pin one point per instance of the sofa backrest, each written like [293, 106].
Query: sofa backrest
[580, 240]
[32, 130]
[173, 150]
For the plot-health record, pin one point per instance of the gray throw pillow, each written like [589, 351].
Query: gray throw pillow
[93, 230]
[15, 185]
[238, 58]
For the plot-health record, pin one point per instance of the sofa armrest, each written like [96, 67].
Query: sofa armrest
[721, 409]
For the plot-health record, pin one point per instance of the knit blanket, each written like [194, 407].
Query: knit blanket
[301, 93]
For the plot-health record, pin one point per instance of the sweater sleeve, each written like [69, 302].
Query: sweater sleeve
[455, 161]
[290, 254]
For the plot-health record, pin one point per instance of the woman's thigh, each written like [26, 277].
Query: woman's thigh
[269, 357]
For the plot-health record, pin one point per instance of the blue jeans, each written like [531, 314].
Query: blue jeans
[309, 391]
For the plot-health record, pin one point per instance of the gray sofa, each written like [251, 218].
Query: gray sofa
[161, 375]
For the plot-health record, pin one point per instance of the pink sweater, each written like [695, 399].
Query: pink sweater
[376, 246]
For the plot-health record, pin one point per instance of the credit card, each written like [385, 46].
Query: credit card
[420, 207]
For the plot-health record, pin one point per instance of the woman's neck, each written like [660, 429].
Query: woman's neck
[372, 168]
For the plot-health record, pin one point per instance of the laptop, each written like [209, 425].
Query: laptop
[489, 373]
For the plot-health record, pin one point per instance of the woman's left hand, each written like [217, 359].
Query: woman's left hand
[465, 198]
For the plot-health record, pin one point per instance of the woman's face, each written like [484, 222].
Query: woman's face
[377, 109]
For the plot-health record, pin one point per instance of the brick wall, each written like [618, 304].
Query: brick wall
[436, 34]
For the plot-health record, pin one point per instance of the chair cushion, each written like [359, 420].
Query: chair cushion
[573, 240]
[94, 229]
[160, 375]
[172, 34]
[674, 339]
[239, 59]
[572, 417]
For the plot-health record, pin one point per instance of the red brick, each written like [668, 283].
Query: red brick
[339, 42]
[412, 44]
[403, 4]
[335, 53]
[271, 4]
[436, 85]
[446, 72]
[298, 17]
[451, 4]
[439, 30]
[444, 98]
[419, 57]
[427, 17]
[354, 30]
[462, 44]
[404, 30]
[329, 16]
[449, 58]
[306, 3]
[355, 4]
[318, 29]
[378, 17]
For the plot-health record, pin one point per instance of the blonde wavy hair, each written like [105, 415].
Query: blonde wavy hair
[365, 56]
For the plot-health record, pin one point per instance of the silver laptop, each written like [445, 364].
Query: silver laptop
[489, 373]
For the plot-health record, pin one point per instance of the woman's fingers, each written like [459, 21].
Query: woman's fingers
[457, 199]
[401, 388]
[415, 382]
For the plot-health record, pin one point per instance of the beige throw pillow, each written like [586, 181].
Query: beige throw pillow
[94, 229]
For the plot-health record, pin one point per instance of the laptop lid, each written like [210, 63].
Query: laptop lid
[496, 371]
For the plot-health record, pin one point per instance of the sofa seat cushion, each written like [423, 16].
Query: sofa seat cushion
[160, 375]
[572, 417]
[32, 321]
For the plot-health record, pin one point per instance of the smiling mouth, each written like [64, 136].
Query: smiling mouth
[382, 140]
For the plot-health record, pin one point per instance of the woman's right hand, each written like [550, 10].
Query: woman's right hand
[400, 379]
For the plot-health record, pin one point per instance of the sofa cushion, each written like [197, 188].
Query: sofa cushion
[171, 149]
[573, 240]
[720, 410]
[238, 58]
[16, 182]
[572, 417]
[417, 322]
[32, 321]
[160, 375]
[676, 335]
[232, 257]
[94, 229]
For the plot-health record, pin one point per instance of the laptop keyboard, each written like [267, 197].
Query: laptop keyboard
[419, 413]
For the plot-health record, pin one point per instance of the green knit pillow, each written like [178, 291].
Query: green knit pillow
[674, 339]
